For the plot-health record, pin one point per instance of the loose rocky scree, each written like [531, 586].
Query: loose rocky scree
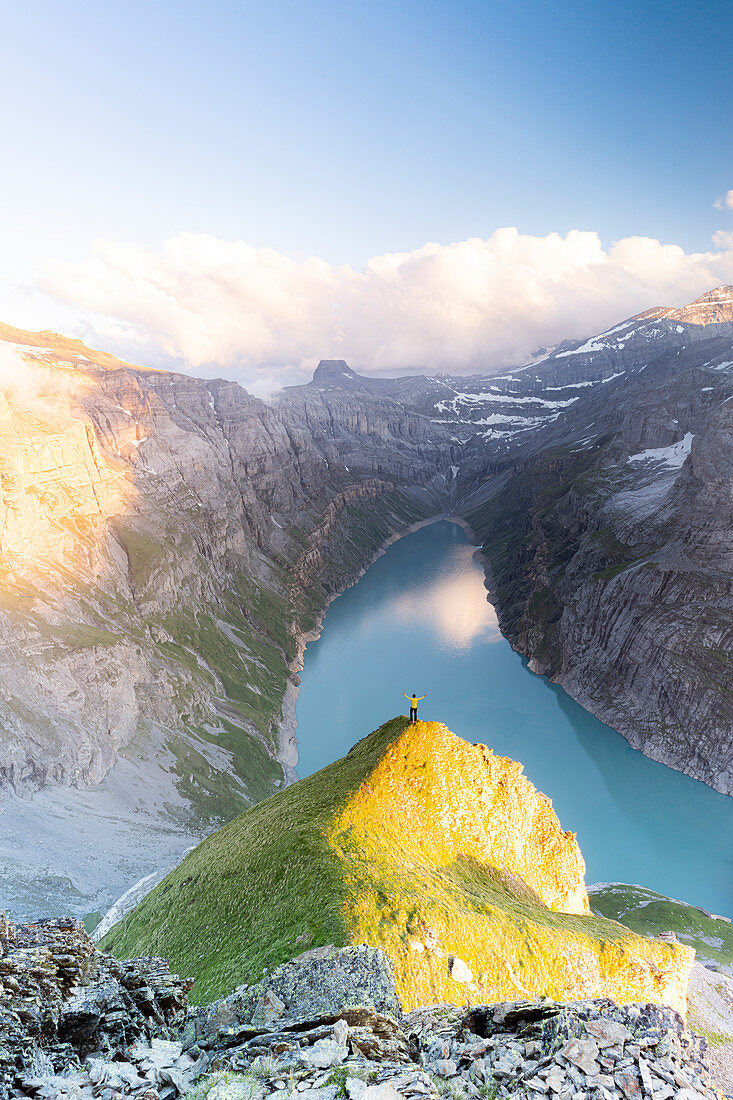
[76, 1024]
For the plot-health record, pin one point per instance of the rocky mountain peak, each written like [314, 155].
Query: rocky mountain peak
[715, 307]
[718, 294]
[335, 372]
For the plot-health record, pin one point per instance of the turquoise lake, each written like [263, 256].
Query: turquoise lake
[418, 620]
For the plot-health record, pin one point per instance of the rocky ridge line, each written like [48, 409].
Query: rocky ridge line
[77, 1026]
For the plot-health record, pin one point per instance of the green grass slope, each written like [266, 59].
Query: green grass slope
[649, 913]
[415, 842]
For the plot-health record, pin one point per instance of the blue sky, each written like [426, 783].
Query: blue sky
[346, 129]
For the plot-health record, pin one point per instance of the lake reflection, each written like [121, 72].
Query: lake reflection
[453, 606]
[418, 621]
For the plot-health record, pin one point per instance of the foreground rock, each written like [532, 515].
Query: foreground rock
[79, 1026]
[325, 981]
[62, 1001]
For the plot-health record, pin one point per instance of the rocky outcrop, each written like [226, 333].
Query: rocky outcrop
[61, 1001]
[526, 1048]
[325, 981]
[351, 1038]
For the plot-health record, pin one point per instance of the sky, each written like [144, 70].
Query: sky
[242, 188]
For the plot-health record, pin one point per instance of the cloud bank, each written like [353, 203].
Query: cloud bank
[264, 318]
[32, 387]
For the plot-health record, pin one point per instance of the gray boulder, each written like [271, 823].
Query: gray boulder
[324, 982]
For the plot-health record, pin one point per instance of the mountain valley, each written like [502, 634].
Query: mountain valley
[170, 543]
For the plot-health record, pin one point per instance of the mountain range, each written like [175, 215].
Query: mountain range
[170, 543]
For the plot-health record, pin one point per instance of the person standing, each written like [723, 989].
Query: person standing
[413, 701]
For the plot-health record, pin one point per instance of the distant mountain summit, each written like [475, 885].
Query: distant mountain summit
[334, 372]
[713, 308]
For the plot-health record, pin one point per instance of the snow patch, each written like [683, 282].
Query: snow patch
[595, 343]
[674, 455]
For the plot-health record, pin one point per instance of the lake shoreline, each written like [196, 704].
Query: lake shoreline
[416, 621]
[287, 737]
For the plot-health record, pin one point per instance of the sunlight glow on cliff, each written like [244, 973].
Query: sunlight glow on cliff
[58, 485]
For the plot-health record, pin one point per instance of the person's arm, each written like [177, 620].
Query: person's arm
[406, 696]
[421, 697]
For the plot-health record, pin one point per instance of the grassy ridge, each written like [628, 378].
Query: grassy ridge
[415, 842]
[241, 899]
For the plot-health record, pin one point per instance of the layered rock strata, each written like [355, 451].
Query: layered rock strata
[61, 1001]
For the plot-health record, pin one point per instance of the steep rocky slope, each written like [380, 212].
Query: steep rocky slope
[438, 852]
[611, 548]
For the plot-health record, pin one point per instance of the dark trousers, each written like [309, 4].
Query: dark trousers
[413, 714]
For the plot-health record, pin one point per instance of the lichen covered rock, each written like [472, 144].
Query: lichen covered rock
[62, 1000]
[325, 981]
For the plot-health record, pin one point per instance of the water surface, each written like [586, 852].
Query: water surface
[418, 620]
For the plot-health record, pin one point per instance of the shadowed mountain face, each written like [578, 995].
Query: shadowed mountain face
[611, 545]
[167, 542]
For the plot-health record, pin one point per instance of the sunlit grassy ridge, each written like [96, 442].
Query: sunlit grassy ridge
[415, 842]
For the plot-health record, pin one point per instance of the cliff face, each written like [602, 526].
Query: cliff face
[611, 552]
[152, 528]
[438, 852]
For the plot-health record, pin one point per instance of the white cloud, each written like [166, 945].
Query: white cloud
[33, 387]
[723, 239]
[255, 314]
[726, 203]
[24, 382]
